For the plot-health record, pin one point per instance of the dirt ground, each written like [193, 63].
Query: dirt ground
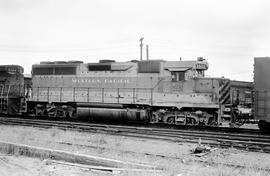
[24, 166]
[174, 158]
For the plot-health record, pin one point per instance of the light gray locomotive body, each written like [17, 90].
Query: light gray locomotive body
[152, 90]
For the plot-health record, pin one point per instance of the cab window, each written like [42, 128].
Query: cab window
[178, 76]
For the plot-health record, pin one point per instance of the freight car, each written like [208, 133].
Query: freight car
[175, 92]
[262, 92]
[239, 108]
[12, 89]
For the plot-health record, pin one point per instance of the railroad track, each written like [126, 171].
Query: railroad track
[245, 140]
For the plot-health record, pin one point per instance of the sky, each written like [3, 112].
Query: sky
[228, 33]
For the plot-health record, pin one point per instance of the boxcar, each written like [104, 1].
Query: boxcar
[262, 91]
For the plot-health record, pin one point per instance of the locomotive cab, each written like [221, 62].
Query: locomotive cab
[185, 70]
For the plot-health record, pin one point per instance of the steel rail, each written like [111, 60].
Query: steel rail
[252, 142]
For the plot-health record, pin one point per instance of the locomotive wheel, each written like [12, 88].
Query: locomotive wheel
[171, 120]
[55, 113]
[212, 121]
[52, 113]
[191, 121]
[155, 117]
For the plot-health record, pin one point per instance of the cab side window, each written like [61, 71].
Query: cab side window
[178, 76]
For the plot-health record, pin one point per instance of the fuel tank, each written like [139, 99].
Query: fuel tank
[112, 114]
[99, 105]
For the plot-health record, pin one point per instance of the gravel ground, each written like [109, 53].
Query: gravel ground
[174, 158]
[24, 166]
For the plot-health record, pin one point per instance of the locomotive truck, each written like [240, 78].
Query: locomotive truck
[155, 91]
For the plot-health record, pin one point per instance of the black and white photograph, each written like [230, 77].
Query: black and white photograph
[135, 88]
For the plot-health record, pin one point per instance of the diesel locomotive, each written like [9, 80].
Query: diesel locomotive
[12, 89]
[151, 91]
